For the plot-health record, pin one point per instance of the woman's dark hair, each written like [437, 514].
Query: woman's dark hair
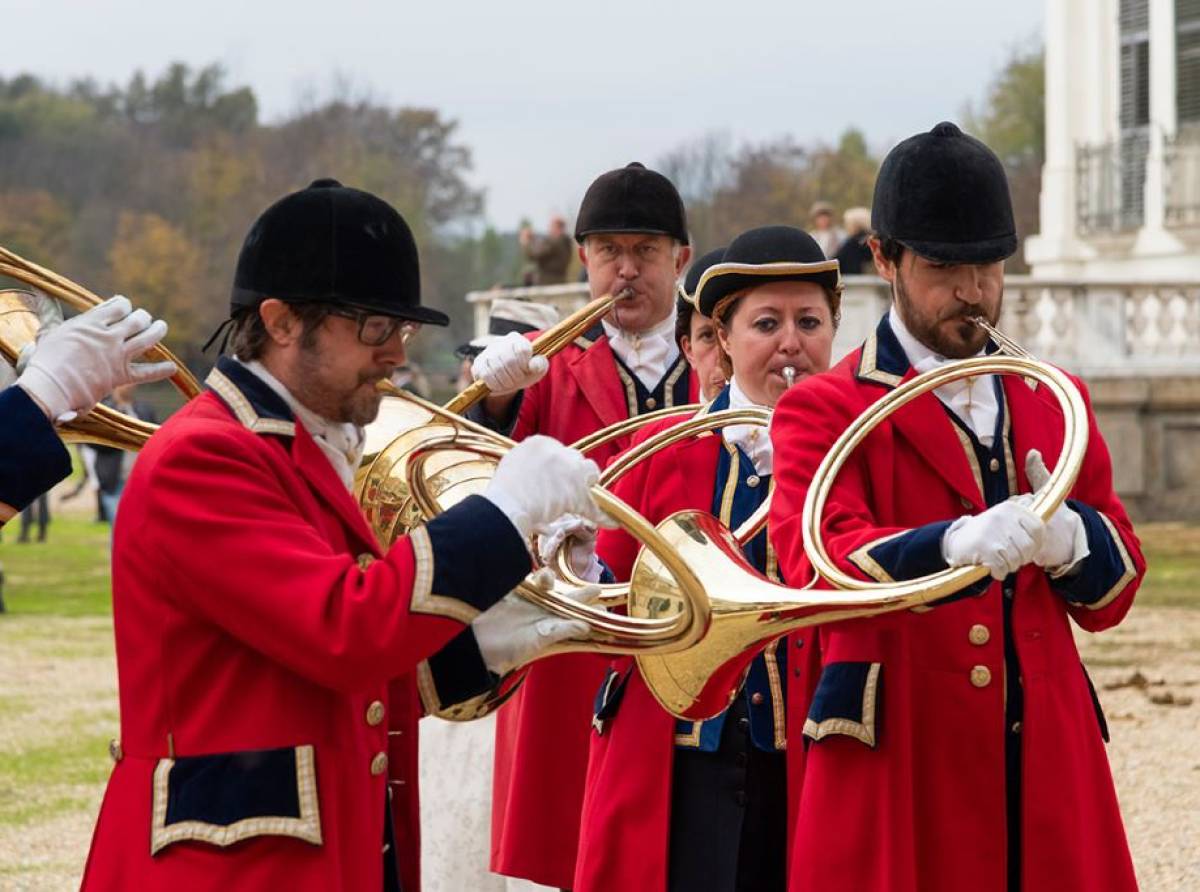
[684, 311]
[249, 337]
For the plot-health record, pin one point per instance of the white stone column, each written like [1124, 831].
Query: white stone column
[1153, 238]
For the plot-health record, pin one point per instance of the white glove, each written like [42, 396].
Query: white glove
[1065, 543]
[581, 547]
[512, 631]
[539, 480]
[81, 361]
[508, 365]
[1004, 538]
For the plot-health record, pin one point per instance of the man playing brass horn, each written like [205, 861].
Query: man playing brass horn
[267, 646]
[633, 240]
[961, 747]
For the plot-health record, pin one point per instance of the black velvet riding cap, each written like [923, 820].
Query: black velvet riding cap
[944, 195]
[332, 244]
[765, 254]
[632, 199]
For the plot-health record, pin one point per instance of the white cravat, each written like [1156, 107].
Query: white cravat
[342, 442]
[648, 354]
[753, 439]
[972, 399]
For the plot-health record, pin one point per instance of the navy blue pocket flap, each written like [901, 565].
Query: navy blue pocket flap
[847, 701]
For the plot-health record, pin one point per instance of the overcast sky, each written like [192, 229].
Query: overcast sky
[550, 94]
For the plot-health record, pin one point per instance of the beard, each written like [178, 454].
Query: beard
[357, 405]
[965, 338]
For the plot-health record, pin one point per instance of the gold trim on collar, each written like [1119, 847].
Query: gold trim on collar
[1130, 570]
[243, 411]
[423, 599]
[972, 458]
[1010, 465]
[668, 383]
[427, 689]
[631, 403]
[868, 368]
[864, 730]
[731, 483]
[770, 657]
[306, 827]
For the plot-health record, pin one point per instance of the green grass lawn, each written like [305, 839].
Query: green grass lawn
[68, 575]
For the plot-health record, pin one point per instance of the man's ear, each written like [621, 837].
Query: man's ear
[682, 256]
[883, 266]
[280, 322]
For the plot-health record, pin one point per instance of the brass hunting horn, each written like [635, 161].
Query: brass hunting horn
[748, 611]
[19, 324]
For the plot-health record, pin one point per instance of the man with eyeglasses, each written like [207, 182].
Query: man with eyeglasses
[267, 644]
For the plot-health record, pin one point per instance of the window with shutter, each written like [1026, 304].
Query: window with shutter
[1187, 60]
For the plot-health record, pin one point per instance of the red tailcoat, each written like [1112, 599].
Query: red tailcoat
[904, 784]
[542, 732]
[254, 611]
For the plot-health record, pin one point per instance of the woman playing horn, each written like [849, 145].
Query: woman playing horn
[690, 805]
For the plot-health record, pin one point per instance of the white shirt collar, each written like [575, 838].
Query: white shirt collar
[341, 442]
[973, 399]
[648, 354]
[753, 439]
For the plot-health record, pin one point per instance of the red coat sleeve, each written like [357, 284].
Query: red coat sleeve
[227, 540]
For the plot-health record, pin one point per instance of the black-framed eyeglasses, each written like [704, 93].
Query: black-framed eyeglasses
[374, 329]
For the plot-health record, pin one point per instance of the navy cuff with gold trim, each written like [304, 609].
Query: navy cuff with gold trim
[478, 555]
[909, 555]
[1107, 568]
[458, 671]
[32, 457]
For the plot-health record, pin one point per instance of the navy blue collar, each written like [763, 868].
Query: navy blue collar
[250, 398]
[883, 360]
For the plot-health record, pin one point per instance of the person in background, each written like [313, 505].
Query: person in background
[854, 255]
[38, 512]
[695, 332]
[827, 234]
[506, 315]
[549, 256]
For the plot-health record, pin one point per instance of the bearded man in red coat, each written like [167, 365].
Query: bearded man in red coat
[633, 241]
[961, 747]
[267, 645]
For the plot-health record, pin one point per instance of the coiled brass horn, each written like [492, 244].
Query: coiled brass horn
[748, 611]
[19, 324]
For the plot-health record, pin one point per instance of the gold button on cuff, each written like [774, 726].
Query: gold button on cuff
[752, 481]
[365, 560]
[994, 465]
[375, 713]
[757, 698]
[651, 402]
[981, 676]
[979, 634]
[379, 764]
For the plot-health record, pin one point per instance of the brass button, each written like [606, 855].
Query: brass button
[981, 676]
[994, 465]
[114, 750]
[365, 560]
[757, 698]
[752, 481]
[374, 713]
[979, 634]
[379, 764]
[651, 402]
[1016, 727]
[964, 501]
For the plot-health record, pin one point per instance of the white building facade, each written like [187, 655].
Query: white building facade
[1121, 183]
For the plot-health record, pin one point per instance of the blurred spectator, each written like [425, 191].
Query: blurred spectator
[695, 333]
[113, 465]
[37, 511]
[828, 236]
[549, 255]
[854, 256]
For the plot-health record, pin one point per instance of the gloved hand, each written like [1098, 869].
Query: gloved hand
[78, 363]
[1065, 543]
[512, 631]
[1003, 538]
[539, 480]
[508, 365]
[581, 547]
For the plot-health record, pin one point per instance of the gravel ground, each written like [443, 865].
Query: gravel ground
[1147, 672]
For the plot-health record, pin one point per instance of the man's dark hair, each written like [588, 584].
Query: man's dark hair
[891, 249]
[249, 337]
